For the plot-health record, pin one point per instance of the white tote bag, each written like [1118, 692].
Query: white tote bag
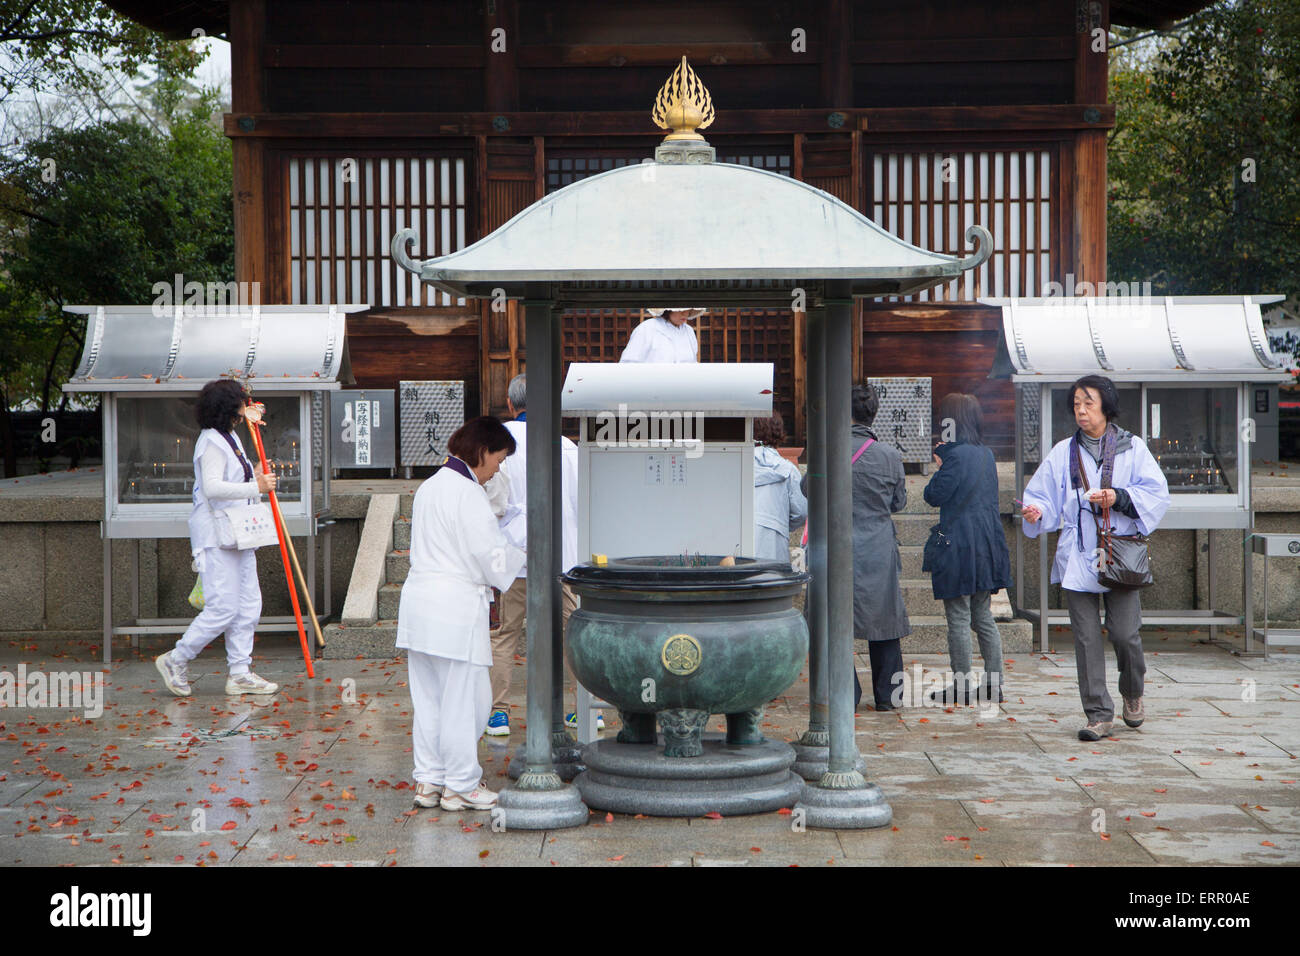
[246, 526]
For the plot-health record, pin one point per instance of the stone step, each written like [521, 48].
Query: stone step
[404, 505]
[912, 559]
[390, 599]
[930, 636]
[374, 640]
[402, 533]
[913, 529]
[397, 565]
[918, 597]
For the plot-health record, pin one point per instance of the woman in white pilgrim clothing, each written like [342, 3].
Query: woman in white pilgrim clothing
[232, 596]
[458, 554]
[664, 337]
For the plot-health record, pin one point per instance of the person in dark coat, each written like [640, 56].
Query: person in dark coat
[967, 555]
[879, 490]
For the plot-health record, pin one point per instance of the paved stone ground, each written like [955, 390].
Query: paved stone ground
[316, 776]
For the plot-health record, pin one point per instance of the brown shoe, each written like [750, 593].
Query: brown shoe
[1095, 731]
[1133, 712]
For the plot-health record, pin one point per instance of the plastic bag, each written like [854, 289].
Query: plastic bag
[196, 594]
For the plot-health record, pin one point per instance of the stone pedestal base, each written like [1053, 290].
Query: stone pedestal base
[811, 762]
[567, 760]
[731, 780]
[861, 808]
[539, 809]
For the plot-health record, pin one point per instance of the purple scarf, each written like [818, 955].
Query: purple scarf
[458, 466]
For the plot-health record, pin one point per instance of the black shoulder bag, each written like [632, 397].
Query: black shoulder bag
[1125, 563]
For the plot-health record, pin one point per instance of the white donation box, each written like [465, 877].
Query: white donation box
[666, 456]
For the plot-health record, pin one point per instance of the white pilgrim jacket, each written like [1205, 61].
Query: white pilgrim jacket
[514, 522]
[202, 521]
[458, 554]
[658, 340]
[1136, 471]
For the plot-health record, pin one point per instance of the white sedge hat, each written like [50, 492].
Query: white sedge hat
[695, 311]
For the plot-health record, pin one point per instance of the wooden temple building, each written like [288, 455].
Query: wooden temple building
[352, 120]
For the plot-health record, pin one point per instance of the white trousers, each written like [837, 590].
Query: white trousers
[451, 701]
[232, 603]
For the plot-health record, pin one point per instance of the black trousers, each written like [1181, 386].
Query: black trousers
[886, 664]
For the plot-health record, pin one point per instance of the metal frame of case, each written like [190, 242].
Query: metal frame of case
[135, 352]
[1171, 342]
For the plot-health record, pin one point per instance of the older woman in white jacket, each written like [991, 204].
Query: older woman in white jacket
[458, 554]
[1066, 492]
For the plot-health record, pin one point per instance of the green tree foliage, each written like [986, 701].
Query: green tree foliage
[1204, 163]
[51, 43]
[98, 215]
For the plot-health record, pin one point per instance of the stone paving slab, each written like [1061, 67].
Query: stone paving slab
[320, 775]
[1221, 849]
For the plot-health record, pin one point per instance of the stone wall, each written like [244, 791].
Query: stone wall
[52, 575]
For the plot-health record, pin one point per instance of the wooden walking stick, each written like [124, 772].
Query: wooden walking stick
[253, 416]
[286, 540]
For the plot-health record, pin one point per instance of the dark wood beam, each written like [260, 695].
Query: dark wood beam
[837, 69]
[924, 49]
[501, 73]
[248, 182]
[247, 28]
[636, 122]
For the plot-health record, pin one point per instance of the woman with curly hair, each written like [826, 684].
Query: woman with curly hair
[223, 478]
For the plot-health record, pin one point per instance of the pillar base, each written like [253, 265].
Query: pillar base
[860, 808]
[567, 760]
[811, 761]
[540, 809]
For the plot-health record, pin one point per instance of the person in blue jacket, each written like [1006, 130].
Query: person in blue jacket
[779, 504]
[966, 554]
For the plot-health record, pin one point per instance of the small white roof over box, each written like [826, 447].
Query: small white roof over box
[737, 389]
[181, 348]
[1207, 338]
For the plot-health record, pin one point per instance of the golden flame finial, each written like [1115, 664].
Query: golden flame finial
[683, 105]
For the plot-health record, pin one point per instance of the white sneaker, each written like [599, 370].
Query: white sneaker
[480, 798]
[249, 683]
[427, 795]
[173, 674]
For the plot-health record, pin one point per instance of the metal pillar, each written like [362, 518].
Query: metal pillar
[108, 596]
[812, 747]
[565, 750]
[540, 800]
[842, 799]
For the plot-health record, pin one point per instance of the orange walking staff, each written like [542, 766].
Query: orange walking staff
[253, 416]
[283, 530]
[286, 540]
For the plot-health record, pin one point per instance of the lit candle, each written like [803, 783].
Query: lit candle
[295, 450]
[178, 449]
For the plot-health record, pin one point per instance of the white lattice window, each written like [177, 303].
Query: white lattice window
[929, 198]
[344, 212]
